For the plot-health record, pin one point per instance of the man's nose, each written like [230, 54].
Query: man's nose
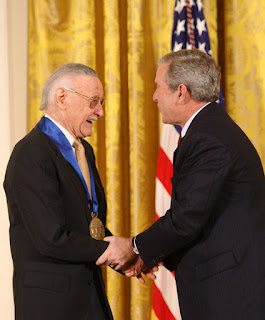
[99, 110]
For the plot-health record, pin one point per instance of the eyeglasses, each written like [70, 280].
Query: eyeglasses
[94, 101]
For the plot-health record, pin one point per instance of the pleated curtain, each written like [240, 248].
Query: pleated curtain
[123, 41]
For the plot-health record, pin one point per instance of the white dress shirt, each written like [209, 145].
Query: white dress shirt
[187, 124]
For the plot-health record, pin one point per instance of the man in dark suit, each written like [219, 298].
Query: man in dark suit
[50, 204]
[213, 235]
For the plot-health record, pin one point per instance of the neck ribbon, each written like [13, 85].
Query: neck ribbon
[49, 128]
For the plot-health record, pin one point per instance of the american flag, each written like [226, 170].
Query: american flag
[189, 32]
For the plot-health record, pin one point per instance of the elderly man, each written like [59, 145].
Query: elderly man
[213, 235]
[57, 205]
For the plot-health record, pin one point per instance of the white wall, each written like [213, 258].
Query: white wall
[6, 307]
[13, 88]
[17, 13]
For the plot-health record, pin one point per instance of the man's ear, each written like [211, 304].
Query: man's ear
[59, 97]
[183, 94]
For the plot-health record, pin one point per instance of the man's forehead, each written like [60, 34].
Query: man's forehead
[161, 70]
[163, 67]
[88, 82]
[83, 78]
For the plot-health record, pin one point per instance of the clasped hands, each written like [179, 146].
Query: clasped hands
[120, 256]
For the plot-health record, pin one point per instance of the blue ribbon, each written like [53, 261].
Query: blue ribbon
[46, 126]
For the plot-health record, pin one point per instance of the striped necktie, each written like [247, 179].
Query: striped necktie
[180, 137]
[82, 161]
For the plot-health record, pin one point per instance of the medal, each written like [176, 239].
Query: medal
[96, 228]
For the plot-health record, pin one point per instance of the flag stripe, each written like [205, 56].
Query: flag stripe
[169, 140]
[166, 284]
[162, 206]
[164, 171]
[160, 307]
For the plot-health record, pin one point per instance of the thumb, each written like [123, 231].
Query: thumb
[102, 259]
[109, 239]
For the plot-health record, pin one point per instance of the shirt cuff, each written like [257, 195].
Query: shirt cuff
[134, 246]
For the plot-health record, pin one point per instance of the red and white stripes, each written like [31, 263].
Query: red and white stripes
[165, 298]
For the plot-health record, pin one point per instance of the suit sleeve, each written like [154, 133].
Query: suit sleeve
[200, 171]
[32, 179]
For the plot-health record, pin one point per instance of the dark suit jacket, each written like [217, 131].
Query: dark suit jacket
[213, 235]
[55, 276]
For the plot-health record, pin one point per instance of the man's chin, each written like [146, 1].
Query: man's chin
[86, 133]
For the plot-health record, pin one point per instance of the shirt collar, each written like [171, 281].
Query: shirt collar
[67, 134]
[187, 124]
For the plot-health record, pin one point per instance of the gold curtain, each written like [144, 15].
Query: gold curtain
[244, 68]
[237, 28]
[123, 41]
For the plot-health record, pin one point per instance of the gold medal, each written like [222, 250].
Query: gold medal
[96, 228]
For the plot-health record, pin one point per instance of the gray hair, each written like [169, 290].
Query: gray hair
[62, 77]
[196, 70]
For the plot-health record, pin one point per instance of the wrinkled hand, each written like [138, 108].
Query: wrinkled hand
[119, 253]
[139, 268]
[120, 256]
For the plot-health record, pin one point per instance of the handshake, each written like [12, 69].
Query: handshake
[120, 256]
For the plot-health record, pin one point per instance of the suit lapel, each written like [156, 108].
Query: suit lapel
[74, 179]
[69, 171]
